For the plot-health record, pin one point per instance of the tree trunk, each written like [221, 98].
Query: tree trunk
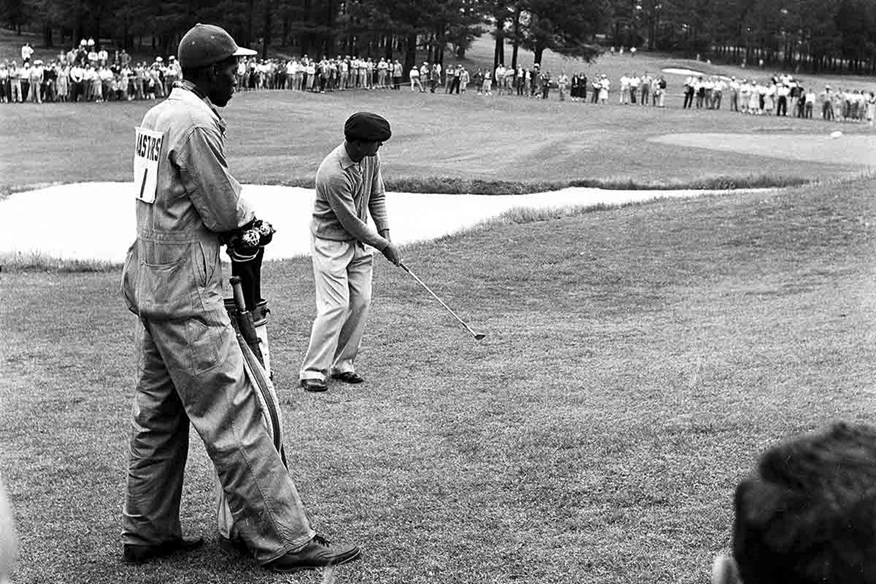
[499, 52]
[250, 14]
[439, 43]
[516, 40]
[78, 25]
[47, 35]
[410, 52]
[266, 29]
[329, 39]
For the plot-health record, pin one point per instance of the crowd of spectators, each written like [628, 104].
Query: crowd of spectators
[90, 73]
[85, 73]
[782, 95]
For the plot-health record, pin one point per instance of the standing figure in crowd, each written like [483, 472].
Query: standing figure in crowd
[487, 86]
[415, 79]
[604, 85]
[688, 92]
[4, 83]
[26, 53]
[562, 84]
[396, 74]
[36, 80]
[545, 84]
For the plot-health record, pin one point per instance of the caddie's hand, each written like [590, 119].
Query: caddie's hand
[391, 253]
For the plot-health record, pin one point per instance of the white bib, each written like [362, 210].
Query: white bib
[146, 156]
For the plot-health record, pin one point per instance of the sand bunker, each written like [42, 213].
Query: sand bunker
[852, 150]
[686, 72]
[95, 221]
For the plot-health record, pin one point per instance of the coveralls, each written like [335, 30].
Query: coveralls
[190, 365]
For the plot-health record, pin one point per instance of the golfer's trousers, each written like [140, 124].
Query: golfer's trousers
[342, 275]
[191, 370]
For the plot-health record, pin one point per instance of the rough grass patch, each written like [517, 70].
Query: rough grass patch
[36, 261]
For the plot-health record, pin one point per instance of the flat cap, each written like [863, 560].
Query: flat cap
[206, 44]
[367, 127]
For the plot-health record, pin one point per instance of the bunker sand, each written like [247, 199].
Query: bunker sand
[96, 221]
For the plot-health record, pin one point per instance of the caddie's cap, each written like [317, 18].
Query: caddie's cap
[367, 127]
[206, 44]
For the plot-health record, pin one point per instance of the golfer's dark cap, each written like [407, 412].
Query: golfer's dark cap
[206, 44]
[367, 127]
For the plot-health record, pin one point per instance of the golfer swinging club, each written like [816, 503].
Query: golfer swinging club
[349, 185]
[190, 365]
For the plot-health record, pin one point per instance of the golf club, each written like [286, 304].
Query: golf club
[477, 336]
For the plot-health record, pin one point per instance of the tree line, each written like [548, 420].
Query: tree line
[811, 35]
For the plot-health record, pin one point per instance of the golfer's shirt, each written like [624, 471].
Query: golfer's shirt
[346, 192]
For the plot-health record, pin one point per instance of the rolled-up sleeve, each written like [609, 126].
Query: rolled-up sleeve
[204, 173]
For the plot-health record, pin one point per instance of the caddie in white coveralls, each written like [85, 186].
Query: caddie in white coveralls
[190, 365]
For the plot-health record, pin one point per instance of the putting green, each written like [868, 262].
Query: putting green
[854, 150]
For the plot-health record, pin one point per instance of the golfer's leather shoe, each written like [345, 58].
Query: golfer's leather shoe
[348, 377]
[137, 554]
[316, 554]
[313, 385]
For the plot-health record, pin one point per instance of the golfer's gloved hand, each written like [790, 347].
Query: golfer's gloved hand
[391, 253]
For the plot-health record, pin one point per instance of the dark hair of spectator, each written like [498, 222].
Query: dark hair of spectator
[808, 515]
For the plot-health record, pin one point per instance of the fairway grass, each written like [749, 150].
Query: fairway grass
[637, 361]
[440, 143]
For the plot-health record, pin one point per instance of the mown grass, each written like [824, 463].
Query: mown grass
[637, 360]
[443, 143]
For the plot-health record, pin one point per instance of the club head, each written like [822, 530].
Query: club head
[479, 336]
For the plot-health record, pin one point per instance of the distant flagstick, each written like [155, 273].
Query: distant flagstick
[477, 336]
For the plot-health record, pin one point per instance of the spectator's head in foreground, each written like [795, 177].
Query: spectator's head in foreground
[807, 514]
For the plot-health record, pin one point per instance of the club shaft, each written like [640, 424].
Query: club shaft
[429, 290]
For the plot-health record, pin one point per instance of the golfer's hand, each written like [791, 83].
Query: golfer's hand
[391, 253]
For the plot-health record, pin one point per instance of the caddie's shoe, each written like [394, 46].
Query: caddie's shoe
[314, 385]
[137, 554]
[348, 377]
[316, 554]
[232, 546]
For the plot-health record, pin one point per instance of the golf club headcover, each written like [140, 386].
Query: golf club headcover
[243, 244]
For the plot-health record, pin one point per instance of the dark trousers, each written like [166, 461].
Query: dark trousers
[782, 108]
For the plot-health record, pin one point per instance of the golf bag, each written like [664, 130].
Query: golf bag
[249, 314]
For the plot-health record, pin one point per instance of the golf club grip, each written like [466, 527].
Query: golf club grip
[237, 291]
